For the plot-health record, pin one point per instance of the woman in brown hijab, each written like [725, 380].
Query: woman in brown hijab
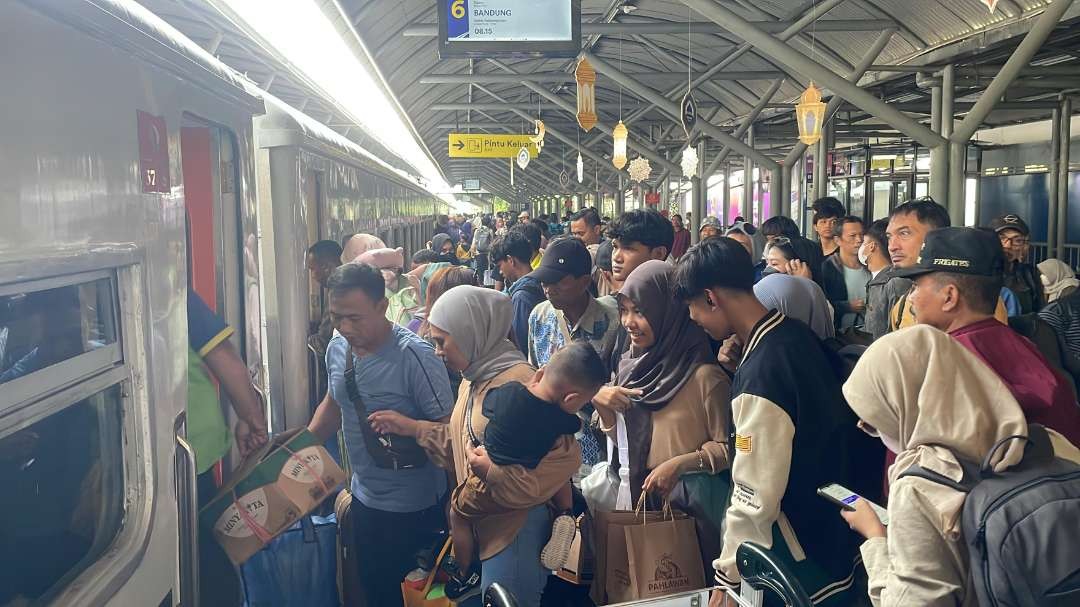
[680, 423]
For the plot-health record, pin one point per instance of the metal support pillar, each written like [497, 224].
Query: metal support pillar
[1063, 175]
[701, 196]
[695, 214]
[1055, 158]
[935, 108]
[699, 193]
[948, 104]
[777, 199]
[821, 172]
[957, 173]
[620, 197]
[727, 189]
[749, 189]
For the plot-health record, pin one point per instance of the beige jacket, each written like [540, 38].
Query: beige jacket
[514, 486]
[919, 564]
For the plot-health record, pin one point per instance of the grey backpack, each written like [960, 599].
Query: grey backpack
[1021, 527]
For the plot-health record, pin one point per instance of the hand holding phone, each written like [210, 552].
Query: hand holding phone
[845, 498]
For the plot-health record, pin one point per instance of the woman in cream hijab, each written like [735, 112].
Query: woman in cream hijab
[927, 397]
[469, 326]
[1058, 279]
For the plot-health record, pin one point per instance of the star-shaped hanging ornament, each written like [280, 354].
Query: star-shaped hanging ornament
[689, 162]
[640, 169]
[990, 4]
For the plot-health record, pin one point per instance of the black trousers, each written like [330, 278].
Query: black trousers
[386, 546]
[219, 583]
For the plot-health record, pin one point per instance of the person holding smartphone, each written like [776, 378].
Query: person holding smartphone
[940, 403]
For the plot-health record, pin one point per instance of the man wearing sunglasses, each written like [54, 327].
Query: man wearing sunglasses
[1020, 277]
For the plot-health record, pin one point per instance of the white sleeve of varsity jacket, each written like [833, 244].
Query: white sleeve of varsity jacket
[759, 474]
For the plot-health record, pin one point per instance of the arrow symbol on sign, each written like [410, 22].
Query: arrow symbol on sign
[460, 145]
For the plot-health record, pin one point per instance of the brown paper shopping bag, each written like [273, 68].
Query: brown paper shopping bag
[613, 583]
[663, 558]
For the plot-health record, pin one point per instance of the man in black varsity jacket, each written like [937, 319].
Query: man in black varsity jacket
[790, 423]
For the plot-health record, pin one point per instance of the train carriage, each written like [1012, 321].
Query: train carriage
[131, 171]
[315, 184]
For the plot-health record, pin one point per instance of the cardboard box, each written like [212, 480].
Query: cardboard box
[274, 488]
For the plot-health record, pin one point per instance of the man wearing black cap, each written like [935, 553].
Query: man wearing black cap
[1020, 277]
[958, 277]
[571, 313]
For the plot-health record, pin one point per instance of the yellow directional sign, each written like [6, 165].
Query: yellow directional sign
[479, 145]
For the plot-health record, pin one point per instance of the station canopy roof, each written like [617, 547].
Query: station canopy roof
[647, 41]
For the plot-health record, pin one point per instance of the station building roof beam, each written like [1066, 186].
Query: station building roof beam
[563, 78]
[672, 109]
[813, 14]
[1020, 58]
[780, 51]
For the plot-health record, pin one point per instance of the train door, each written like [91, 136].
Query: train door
[312, 195]
[222, 262]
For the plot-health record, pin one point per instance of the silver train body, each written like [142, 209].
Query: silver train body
[134, 166]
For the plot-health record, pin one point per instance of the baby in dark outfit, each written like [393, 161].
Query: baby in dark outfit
[524, 421]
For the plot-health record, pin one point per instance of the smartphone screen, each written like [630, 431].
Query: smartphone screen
[845, 498]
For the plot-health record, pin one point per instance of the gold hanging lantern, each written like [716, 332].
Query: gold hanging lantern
[618, 156]
[586, 95]
[810, 114]
[538, 138]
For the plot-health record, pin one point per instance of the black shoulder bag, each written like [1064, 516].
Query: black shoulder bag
[390, 451]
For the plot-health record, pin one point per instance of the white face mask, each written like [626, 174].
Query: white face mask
[864, 256]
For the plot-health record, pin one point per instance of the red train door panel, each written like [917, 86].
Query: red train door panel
[196, 158]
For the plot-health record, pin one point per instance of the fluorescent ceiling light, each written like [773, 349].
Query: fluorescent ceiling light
[300, 31]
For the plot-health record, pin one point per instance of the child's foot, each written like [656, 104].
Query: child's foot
[463, 584]
[557, 549]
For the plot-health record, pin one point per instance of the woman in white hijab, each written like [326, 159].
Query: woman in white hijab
[927, 397]
[1058, 279]
[469, 326]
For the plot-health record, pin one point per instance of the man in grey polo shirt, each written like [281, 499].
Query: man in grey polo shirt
[397, 500]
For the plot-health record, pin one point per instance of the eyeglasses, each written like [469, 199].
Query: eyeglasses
[1014, 241]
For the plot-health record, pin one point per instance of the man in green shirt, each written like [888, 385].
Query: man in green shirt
[211, 356]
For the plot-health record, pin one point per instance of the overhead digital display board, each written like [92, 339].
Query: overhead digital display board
[509, 28]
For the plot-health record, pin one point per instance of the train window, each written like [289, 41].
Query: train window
[42, 328]
[62, 501]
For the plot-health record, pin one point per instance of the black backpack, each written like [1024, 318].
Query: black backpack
[1021, 526]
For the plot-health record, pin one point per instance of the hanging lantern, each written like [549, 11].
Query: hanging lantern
[538, 138]
[580, 168]
[640, 169]
[586, 95]
[990, 4]
[810, 113]
[689, 162]
[618, 156]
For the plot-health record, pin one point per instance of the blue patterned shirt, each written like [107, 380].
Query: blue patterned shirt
[548, 332]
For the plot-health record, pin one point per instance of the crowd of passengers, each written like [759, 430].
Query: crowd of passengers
[512, 355]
